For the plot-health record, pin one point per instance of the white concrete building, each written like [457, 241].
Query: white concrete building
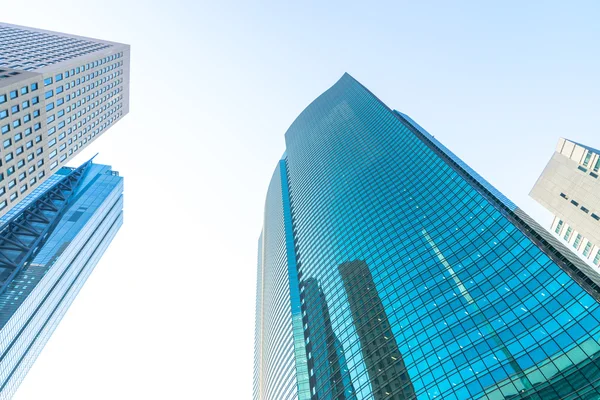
[58, 93]
[569, 187]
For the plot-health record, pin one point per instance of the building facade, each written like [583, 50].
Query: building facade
[569, 188]
[58, 93]
[49, 245]
[415, 278]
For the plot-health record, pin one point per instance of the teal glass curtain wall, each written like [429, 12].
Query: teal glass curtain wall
[417, 278]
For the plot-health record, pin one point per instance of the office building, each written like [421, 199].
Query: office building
[569, 188]
[407, 274]
[49, 245]
[58, 93]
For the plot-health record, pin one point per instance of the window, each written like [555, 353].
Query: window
[597, 258]
[34, 87]
[25, 104]
[587, 249]
[2, 98]
[7, 143]
[585, 210]
[568, 234]
[58, 77]
[24, 90]
[597, 166]
[597, 218]
[5, 129]
[13, 196]
[14, 94]
[48, 81]
[3, 114]
[559, 227]
[577, 241]
[49, 94]
[587, 158]
[12, 184]
[574, 203]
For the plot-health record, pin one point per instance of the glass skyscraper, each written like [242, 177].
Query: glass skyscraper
[49, 245]
[389, 269]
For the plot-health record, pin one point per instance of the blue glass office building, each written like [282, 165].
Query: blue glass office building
[49, 244]
[388, 269]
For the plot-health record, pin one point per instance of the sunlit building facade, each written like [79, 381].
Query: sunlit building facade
[569, 187]
[58, 93]
[413, 276]
[49, 245]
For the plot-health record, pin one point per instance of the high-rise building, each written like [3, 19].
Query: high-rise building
[58, 93]
[569, 188]
[407, 274]
[49, 245]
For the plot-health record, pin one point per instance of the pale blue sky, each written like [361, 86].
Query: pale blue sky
[169, 312]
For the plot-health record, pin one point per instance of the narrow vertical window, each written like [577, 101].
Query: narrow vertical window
[587, 158]
[588, 247]
[577, 241]
[559, 227]
[597, 258]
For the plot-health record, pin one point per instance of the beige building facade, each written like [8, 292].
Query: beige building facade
[569, 187]
[58, 93]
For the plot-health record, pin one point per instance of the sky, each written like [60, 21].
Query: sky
[169, 311]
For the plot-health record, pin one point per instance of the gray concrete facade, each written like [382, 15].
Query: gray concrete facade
[58, 93]
[569, 187]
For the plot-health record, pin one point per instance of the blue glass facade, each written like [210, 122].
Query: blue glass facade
[40, 294]
[417, 278]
